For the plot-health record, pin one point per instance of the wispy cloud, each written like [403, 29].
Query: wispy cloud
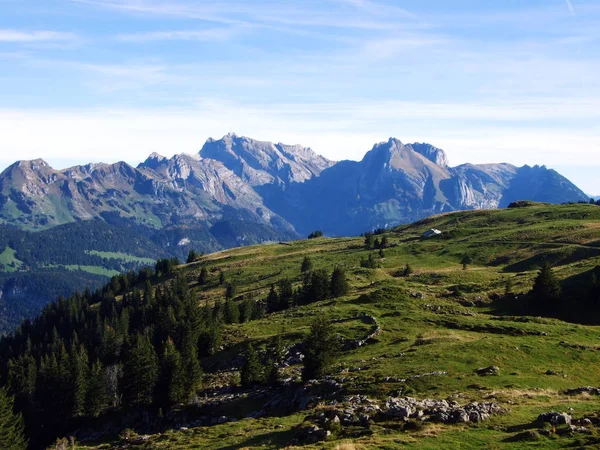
[10, 35]
[207, 35]
[571, 7]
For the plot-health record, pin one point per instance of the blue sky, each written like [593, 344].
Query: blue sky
[488, 81]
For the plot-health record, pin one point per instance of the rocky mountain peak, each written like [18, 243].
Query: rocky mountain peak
[433, 154]
[260, 162]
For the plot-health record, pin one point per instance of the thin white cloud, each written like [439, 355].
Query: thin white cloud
[571, 8]
[11, 35]
[207, 35]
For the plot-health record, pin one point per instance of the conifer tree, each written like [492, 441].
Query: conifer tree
[80, 377]
[12, 435]
[232, 311]
[203, 277]
[140, 373]
[192, 256]
[252, 370]
[222, 278]
[231, 290]
[286, 293]
[322, 347]
[339, 284]
[307, 265]
[97, 393]
[546, 288]
[171, 387]
[191, 367]
[273, 300]
[466, 261]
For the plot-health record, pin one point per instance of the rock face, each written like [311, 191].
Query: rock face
[272, 190]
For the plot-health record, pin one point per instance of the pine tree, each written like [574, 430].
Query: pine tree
[171, 387]
[508, 287]
[307, 265]
[97, 393]
[286, 293]
[385, 242]
[408, 270]
[546, 288]
[80, 377]
[466, 261]
[273, 300]
[369, 241]
[191, 367]
[222, 278]
[339, 284]
[273, 374]
[203, 277]
[12, 435]
[322, 347]
[381, 253]
[252, 371]
[192, 256]
[140, 373]
[232, 311]
[231, 290]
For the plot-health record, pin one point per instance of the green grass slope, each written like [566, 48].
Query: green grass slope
[427, 328]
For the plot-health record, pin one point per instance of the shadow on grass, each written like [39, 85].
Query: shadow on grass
[278, 439]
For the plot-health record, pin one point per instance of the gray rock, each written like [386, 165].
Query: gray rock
[487, 371]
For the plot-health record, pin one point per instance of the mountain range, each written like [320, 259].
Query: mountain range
[273, 191]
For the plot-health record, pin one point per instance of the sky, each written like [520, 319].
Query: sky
[488, 81]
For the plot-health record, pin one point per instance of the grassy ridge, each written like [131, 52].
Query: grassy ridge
[426, 328]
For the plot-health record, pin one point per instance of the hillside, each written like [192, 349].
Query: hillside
[38, 267]
[431, 332]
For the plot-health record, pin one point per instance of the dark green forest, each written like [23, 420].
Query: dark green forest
[136, 343]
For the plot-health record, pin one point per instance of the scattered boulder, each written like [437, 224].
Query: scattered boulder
[583, 390]
[487, 371]
[555, 418]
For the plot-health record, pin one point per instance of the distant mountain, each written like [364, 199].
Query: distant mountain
[397, 183]
[238, 191]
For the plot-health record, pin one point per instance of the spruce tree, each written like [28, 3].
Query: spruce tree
[171, 387]
[252, 370]
[339, 284]
[191, 366]
[286, 293]
[231, 290]
[273, 300]
[203, 277]
[307, 265]
[384, 242]
[12, 435]
[80, 377]
[97, 393]
[466, 261]
[546, 288]
[140, 373]
[232, 311]
[322, 347]
[192, 256]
